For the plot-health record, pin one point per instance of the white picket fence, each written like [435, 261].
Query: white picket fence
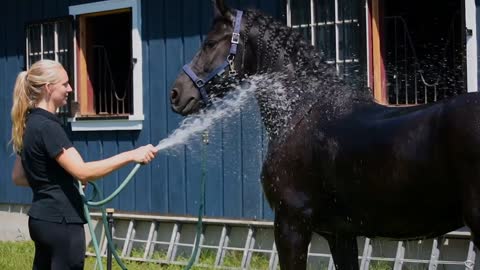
[169, 240]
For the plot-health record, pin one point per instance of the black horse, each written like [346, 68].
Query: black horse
[339, 164]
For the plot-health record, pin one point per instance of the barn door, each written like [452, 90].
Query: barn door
[418, 52]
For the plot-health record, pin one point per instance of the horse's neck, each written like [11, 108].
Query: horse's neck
[284, 101]
[295, 77]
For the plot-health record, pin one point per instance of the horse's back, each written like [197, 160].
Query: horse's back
[380, 171]
[401, 165]
[462, 117]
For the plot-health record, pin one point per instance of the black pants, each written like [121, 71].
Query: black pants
[58, 246]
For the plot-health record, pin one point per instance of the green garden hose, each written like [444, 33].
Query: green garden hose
[201, 204]
[101, 204]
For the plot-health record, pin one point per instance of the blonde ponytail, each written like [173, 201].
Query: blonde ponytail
[27, 92]
[19, 111]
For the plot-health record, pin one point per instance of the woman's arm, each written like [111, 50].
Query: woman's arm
[73, 163]
[18, 174]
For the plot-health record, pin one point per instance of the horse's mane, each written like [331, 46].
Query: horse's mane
[280, 39]
[279, 42]
[281, 48]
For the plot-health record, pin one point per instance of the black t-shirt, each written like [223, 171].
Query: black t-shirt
[55, 192]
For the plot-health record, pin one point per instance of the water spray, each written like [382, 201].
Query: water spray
[220, 109]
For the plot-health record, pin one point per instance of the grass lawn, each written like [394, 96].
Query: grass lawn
[19, 256]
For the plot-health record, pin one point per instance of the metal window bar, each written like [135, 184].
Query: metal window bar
[337, 36]
[50, 40]
[312, 22]
[55, 41]
[27, 46]
[409, 84]
[41, 41]
[108, 99]
[342, 30]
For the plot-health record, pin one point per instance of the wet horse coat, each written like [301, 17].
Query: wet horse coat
[339, 164]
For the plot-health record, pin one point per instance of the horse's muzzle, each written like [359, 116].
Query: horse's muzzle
[184, 105]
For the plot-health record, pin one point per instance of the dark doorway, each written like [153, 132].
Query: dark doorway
[424, 50]
[110, 62]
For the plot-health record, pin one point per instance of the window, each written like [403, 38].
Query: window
[108, 66]
[103, 58]
[332, 26]
[424, 57]
[51, 39]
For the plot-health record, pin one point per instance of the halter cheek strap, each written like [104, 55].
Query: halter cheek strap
[200, 83]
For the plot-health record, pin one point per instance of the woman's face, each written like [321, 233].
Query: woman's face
[59, 91]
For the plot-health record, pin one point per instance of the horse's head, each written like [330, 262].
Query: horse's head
[214, 66]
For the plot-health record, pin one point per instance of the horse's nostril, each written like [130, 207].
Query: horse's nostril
[174, 94]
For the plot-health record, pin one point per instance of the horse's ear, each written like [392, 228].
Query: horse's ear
[220, 9]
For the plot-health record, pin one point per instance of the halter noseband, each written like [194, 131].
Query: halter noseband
[200, 83]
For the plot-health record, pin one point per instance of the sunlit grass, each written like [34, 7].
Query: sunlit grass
[379, 265]
[19, 256]
[16, 255]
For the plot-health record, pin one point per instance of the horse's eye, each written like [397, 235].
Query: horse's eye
[210, 44]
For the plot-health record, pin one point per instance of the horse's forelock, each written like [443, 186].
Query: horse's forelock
[222, 21]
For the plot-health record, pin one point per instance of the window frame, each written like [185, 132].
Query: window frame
[312, 24]
[135, 120]
[65, 111]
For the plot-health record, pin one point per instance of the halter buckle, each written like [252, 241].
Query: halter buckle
[235, 38]
[200, 83]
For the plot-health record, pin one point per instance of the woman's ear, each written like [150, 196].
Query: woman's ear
[48, 88]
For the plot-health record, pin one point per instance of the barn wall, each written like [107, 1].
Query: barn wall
[172, 32]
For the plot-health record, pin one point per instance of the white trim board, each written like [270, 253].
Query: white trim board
[137, 55]
[472, 50]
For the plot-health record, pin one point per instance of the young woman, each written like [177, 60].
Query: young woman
[48, 163]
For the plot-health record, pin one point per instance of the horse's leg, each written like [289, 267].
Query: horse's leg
[344, 251]
[292, 237]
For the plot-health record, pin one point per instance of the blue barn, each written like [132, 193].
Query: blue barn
[123, 55]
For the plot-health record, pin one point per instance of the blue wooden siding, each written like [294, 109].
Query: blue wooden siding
[172, 31]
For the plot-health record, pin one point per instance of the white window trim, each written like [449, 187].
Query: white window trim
[472, 61]
[368, 43]
[135, 121]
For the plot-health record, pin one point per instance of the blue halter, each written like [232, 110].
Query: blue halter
[201, 82]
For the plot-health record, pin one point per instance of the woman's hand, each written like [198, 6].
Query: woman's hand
[144, 154]
[18, 174]
[73, 163]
